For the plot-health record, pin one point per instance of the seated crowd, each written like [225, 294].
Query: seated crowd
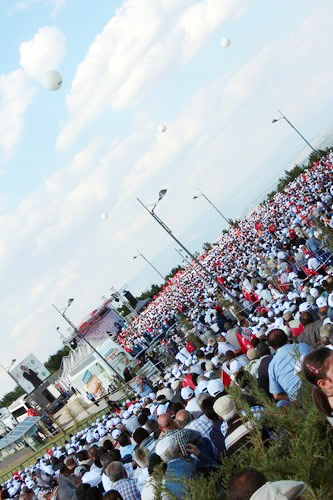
[183, 424]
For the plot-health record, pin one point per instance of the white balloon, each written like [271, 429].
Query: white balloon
[52, 80]
[225, 42]
[162, 128]
[104, 216]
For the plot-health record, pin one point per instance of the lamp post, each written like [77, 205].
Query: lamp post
[64, 340]
[78, 334]
[283, 117]
[168, 230]
[7, 370]
[148, 262]
[214, 206]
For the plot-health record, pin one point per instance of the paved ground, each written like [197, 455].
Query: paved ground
[17, 457]
[76, 410]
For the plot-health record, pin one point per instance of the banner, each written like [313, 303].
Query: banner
[101, 323]
[30, 373]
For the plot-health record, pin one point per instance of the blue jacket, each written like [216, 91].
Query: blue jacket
[177, 470]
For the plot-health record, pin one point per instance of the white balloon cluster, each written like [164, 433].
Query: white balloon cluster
[52, 80]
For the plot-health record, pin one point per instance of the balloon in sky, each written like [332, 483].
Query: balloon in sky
[163, 127]
[104, 216]
[52, 80]
[225, 42]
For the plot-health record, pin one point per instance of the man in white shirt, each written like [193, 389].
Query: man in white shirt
[223, 346]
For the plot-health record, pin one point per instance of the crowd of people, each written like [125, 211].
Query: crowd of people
[271, 321]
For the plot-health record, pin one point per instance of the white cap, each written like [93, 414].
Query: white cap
[321, 302]
[215, 360]
[186, 393]
[305, 306]
[115, 433]
[314, 292]
[202, 386]
[215, 387]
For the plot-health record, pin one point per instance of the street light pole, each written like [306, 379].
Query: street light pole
[148, 262]
[8, 372]
[76, 331]
[283, 117]
[214, 206]
[168, 230]
[64, 340]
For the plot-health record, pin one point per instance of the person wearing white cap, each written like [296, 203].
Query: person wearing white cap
[312, 325]
[191, 405]
[115, 433]
[304, 307]
[313, 264]
[183, 355]
[238, 433]
[224, 346]
[131, 422]
[201, 387]
[322, 305]
[215, 387]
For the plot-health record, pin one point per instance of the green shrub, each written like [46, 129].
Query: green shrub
[301, 449]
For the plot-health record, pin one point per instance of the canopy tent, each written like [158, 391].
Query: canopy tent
[82, 353]
[18, 432]
[83, 357]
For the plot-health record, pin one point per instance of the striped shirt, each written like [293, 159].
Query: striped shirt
[201, 424]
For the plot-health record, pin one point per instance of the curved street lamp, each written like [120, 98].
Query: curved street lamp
[214, 206]
[283, 117]
[168, 230]
[148, 262]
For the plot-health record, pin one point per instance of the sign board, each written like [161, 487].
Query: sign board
[30, 373]
[86, 377]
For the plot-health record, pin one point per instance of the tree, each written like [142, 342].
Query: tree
[206, 247]
[11, 396]
[148, 294]
[234, 223]
[54, 361]
[173, 271]
[123, 310]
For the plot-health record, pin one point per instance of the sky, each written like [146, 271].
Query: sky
[94, 145]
